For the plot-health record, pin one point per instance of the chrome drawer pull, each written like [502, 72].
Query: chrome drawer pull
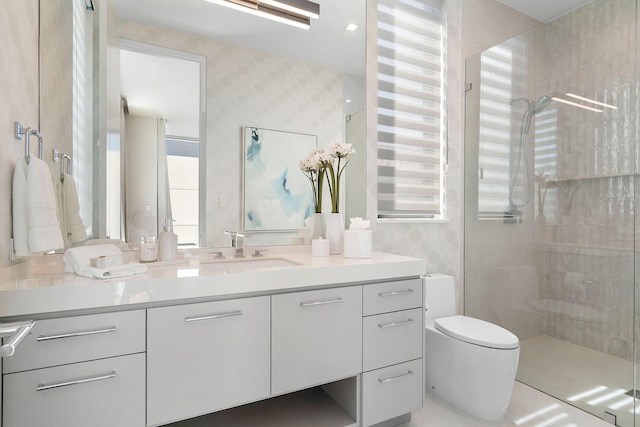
[399, 377]
[314, 303]
[76, 334]
[213, 316]
[393, 293]
[391, 325]
[42, 387]
[17, 332]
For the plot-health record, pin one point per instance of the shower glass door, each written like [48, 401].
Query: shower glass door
[550, 164]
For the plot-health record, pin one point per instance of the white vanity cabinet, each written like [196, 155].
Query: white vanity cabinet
[316, 337]
[205, 357]
[78, 371]
[393, 334]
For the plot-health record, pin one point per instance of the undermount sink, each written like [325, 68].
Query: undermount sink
[248, 264]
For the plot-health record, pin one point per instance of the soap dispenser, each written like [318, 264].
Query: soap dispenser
[168, 242]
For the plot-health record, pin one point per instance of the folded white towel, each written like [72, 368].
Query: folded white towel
[114, 271]
[76, 231]
[35, 222]
[78, 260]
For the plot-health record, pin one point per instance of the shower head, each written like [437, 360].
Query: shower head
[542, 103]
[534, 108]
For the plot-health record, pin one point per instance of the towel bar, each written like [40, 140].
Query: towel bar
[27, 143]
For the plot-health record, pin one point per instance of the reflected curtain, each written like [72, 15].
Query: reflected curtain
[164, 195]
[123, 171]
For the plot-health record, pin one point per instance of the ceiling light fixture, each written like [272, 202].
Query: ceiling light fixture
[351, 27]
[283, 13]
[575, 104]
[298, 7]
[591, 101]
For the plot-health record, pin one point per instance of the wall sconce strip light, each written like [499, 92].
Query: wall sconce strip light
[591, 101]
[296, 13]
[575, 104]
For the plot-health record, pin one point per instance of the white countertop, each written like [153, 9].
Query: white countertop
[39, 287]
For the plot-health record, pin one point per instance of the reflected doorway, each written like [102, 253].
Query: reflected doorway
[156, 173]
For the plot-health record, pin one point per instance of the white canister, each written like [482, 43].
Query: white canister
[148, 249]
[357, 243]
[320, 247]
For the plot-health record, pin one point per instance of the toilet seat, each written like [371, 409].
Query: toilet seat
[476, 331]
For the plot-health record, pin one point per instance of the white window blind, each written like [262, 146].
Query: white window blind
[502, 79]
[411, 129]
[503, 88]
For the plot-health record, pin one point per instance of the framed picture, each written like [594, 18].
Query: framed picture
[276, 195]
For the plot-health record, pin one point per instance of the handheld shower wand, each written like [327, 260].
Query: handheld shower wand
[533, 108]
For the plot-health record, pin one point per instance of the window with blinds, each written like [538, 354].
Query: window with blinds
[411, 131]
[503, 94]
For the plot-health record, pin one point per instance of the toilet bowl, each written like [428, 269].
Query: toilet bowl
[470, 363]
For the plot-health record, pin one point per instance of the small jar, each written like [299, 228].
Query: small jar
[148, 249]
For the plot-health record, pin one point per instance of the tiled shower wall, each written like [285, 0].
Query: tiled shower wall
[586, 264]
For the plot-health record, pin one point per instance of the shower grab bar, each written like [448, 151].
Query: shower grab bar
[27, 144]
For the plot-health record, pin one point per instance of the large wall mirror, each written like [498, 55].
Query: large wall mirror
[254, 72]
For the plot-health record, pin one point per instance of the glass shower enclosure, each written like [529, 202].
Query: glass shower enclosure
[551, 157]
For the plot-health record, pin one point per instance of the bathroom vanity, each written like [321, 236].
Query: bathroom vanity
[199, 338]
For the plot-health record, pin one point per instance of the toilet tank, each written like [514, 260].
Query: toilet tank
[439, 296]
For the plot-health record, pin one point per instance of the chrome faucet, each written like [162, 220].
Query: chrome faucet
[237, 239]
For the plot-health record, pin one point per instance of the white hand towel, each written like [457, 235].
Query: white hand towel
[42, 221]
[73, 223]
[114, 271]
[19, 208]
[78, 260]
[57, 189]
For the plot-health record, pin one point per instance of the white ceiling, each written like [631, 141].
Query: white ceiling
[171, 91]
[544, 10]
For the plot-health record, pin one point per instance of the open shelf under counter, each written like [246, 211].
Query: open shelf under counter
[311, 408]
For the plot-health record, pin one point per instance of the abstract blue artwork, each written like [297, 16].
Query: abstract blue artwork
[276, 194]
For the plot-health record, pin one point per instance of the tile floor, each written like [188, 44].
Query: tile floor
[591, 380]
[528, 408]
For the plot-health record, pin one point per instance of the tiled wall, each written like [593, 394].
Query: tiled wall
[588, 261]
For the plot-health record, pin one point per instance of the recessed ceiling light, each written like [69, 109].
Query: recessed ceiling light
[347, 100]
[351, 27]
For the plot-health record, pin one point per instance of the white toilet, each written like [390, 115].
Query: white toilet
[470, 363]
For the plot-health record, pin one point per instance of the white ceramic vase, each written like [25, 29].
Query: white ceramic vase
[334, 232]
[317, 226]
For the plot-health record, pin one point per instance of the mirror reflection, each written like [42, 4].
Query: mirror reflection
[253, 72]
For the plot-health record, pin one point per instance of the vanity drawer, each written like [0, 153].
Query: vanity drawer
[101, 393]
[80, 338]
[392, 296]
[392, 338]
[392, 391]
